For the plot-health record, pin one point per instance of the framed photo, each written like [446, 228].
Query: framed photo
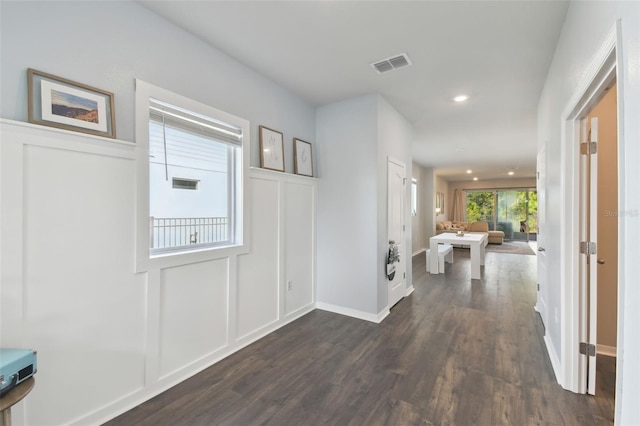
[303, 161]
[58, 102]
[271, 149]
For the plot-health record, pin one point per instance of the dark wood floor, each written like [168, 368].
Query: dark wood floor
[454, 352]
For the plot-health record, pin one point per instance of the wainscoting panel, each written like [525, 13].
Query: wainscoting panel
[299, 245]
[193, 313]
[258, 278]
[109, 338]
[82, 309]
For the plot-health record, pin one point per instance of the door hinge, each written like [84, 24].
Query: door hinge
[404, 275]
[588, 247]
[588, 148]
[587, 349]
[403, 228]
[538, 286]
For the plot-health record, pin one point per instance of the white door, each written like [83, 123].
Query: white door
[588, 259]
[396, 179]
[543, 288]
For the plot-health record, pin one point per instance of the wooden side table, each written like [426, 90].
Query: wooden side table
[12, 397]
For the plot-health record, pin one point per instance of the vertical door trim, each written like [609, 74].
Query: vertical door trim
[604, 69]
[402, 242]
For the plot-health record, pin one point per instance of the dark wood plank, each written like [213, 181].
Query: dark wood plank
[455, 352]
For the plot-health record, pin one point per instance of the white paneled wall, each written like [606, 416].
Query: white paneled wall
[108, 338]
[193, 313]
[300, 246]
[258, 280]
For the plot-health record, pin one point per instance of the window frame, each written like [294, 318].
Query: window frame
[239, 198]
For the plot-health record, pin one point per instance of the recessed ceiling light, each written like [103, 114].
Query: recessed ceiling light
[475, 178]
[469, 171]
[511, 173]
[461, 98]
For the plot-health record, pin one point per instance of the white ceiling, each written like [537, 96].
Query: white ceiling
[497, 52]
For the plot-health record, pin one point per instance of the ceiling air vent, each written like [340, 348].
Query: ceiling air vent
[392, 63]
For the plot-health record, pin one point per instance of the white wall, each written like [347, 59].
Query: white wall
[357, 137]
[68, 217]
[417, 221]
[347, 204]
[80, 41]
[395, 136]
[574, 54]
[423, 224]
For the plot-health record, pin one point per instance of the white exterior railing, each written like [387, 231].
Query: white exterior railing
[166, 232]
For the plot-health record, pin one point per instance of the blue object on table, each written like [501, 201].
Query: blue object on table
[16, 366]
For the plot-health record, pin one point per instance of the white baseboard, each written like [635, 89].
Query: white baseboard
[606, 350]
[417, 252]
[409, 291]
[354, 313]
[553, 356]
[382, 315]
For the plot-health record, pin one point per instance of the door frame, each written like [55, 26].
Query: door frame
[605, 68]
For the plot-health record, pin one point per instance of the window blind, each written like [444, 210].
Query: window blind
[187, 121]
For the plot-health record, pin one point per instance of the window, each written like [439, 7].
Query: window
[513, 211]
[414, 197]
[195, 162]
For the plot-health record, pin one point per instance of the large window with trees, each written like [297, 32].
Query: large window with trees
[513, 211]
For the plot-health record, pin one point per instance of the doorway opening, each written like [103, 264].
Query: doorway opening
[579, 209]
[599, 239]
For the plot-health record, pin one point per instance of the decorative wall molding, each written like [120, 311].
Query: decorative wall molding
[67, 220]
[67, 139]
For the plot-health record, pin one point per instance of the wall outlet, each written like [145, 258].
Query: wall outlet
[289, 285]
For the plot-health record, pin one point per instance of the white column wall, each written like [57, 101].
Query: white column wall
[395, 135]
[107, 337]
[358, 136]
[347, 206]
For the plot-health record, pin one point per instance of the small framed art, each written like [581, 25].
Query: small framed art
[65, 104]
[271, 149]
[303, 160]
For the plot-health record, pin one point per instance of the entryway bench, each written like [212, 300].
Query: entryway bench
[445, 253]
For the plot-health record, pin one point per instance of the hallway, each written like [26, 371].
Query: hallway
[454, 352]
